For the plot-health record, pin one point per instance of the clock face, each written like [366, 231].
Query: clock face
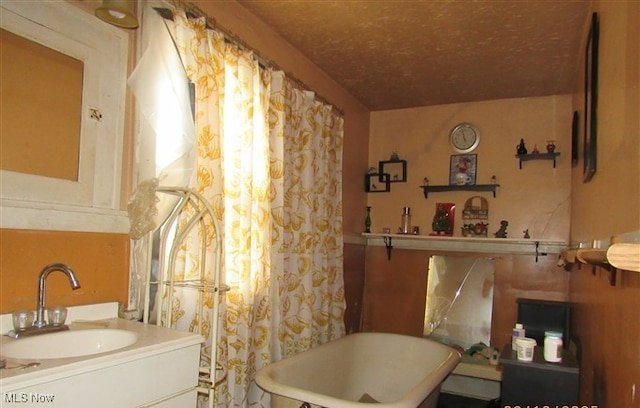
[464, 138]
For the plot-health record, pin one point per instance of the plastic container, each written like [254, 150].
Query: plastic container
[517, 332]
[525, 348]
[553, 346]
[405, 226]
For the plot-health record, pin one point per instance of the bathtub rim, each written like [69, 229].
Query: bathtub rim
[266, 381]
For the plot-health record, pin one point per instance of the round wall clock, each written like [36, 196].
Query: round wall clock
[464, 138]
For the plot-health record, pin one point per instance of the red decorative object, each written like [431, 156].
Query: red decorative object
[443, 219]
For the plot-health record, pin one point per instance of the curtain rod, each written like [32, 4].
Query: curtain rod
[194, 11]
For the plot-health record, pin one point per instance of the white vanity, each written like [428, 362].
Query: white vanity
[159, 369]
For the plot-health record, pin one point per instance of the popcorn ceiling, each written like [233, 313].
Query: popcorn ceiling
[399, 54]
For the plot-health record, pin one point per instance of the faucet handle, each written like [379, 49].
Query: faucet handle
[22, 319]
[57, 315]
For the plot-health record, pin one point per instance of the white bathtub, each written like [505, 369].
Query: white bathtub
[395, 370]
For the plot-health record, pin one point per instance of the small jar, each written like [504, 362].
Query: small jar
[553, 346]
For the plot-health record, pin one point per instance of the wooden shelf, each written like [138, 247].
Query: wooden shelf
[624, 256]
[474, 187]
[537, 156]
[513, 246]
[592, 256]
[618, 256]
[621, 255]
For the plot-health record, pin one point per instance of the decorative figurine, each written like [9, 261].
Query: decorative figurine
[526, 234]
[394, 156]
[502, 232]
[535, 149]
[494, 180]
[478, 229]
[551, 146]
[425, 181]
[521, 147]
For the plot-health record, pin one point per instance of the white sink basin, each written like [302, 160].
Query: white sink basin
[71, 343]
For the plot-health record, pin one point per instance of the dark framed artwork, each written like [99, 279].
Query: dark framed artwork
[591, 101]
[396, 169]
[462, 169]
[575, 129]
[375, 183]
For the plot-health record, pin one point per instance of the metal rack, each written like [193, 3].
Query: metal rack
[192, 212]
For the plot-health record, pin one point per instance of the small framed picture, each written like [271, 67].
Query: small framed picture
[376, 183]
[396, 169]
[462, 170]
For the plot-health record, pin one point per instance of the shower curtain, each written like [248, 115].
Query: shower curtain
[269, 159]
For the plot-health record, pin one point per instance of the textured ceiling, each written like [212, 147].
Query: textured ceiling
[399, 54]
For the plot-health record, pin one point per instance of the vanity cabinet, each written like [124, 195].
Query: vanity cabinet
[159, 370]
[537, 382]
[164, 380]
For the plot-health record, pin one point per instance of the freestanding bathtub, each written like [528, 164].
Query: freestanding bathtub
[395, 371]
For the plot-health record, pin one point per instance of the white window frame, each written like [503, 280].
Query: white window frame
[92, 202]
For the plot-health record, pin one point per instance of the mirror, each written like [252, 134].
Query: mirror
[459, 300]
[63, 91]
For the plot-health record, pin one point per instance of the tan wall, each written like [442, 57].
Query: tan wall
[609, 204]
[535, 198]
[100, 261]
[606, 317]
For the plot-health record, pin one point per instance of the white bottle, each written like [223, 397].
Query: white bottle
[553, 346]
[517, 332]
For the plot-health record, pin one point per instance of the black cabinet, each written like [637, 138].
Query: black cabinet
[538, 382]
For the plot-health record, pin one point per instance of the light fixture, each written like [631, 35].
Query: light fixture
[118, 12]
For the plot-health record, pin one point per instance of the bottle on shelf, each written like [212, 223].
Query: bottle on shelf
[405, 225]
[517, 332]
[367, 220]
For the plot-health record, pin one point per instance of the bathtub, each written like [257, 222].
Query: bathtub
[396, 371]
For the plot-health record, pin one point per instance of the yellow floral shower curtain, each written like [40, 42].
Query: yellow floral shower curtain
[270, 162]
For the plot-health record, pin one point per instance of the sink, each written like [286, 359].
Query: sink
[71, 343]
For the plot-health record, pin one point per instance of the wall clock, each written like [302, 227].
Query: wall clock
[464, 138]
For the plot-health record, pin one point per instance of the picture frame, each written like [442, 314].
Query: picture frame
[591, 101]
[463, 169]
[575, 129]
[377, 183]
[396, 169]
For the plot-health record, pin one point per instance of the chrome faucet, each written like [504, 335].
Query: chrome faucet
[40, 321]
[40, 325]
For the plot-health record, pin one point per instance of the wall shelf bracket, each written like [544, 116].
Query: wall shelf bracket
[387, 243]
[538, 253]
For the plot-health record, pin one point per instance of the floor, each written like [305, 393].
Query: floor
[457, 401]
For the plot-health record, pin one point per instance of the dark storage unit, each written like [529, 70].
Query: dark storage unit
[538, 382]
[538, 316]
